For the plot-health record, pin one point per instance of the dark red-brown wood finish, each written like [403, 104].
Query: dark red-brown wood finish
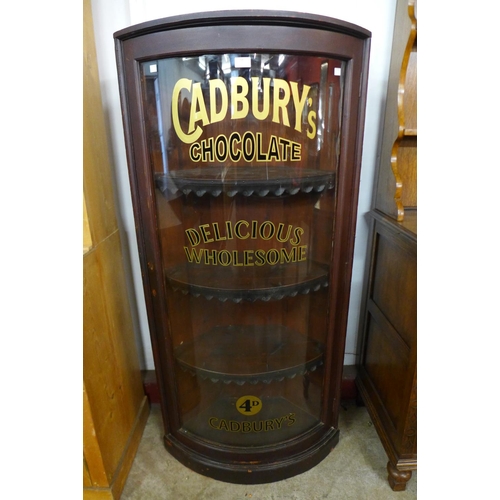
[245, 32]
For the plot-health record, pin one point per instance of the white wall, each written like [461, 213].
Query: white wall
[113, 15]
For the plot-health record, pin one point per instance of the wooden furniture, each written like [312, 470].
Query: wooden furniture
[115, 408]
[387, 369]
[243, 131]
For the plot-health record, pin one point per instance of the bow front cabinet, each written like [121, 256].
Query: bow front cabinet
[244, 135]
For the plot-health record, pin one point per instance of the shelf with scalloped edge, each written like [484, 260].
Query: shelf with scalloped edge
[250, 354]
[254, 180]
[248, 283]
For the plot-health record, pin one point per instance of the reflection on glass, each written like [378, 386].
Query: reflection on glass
[243, 151]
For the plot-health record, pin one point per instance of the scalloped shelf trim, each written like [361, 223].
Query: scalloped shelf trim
[213, 284]
[247, 181]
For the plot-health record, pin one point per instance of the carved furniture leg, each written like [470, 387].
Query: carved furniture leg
[398, 478]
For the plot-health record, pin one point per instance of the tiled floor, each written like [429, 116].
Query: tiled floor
[355, 469]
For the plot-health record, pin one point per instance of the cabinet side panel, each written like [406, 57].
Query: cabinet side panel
[386, 363]
[97, 178]
[111, 369]
[390, 345]
[395, 287]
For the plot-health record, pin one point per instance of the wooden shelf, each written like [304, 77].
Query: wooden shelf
[262, 181]
[248, 283]
[250, 354]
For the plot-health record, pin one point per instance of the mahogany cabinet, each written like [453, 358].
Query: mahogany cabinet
[387, 369]
[244, 135]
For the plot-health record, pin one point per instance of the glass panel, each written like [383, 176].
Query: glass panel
[244, 151]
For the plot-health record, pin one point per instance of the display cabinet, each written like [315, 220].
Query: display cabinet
[244, 135]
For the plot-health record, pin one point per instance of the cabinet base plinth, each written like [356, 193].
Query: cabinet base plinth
[253, 471]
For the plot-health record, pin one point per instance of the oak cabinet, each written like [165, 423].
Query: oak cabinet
[115, 408]
[387, 368]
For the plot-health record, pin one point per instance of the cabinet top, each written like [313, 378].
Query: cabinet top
[244, 17]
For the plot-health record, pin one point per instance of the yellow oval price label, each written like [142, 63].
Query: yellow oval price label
[249, 405]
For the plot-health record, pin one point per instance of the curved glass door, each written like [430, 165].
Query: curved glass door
[243, 151]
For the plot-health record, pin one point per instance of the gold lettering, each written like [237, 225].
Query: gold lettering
[229, 231]
[221, 155]
[285, 148]
[237, 230]
[236, 261]
[239, 97]
[272, 256]
[218, 237]
[260, 156]
[298, 231]
[210, 257]
[302, 253]
[193, 236]
[266, 83]
[260, 257]
[242, 230]
[246, 427]
[251, 426]
[203, 113]
[248, 257]
[279, 234]
[279, 421]
[182, 83]
[259, 428]
[262, 230]
[198, 109]
[194, 152]
[299, 103]
[269, 425]
[311, 117]
[207, 150]
[218, 116]
[288, 257]
[224, 257]
[205, 233]
[235, 155]
[281, 102]
[254, 229]
[192, 256]
[273, 152]
[296, 151]
[248, 146]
